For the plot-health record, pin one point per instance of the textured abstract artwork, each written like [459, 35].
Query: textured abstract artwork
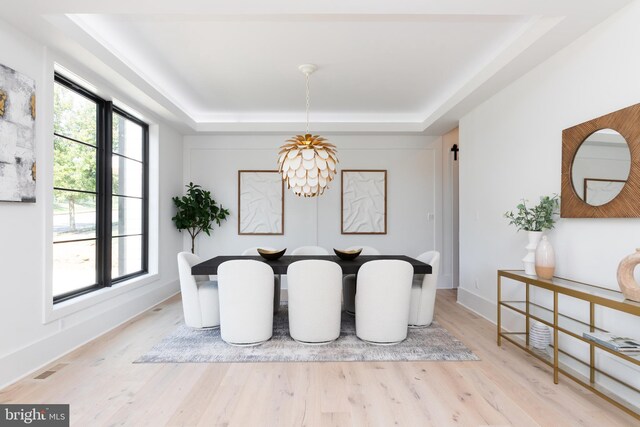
[597, 192]
[17, 137]
[260, 202]
[364, 202]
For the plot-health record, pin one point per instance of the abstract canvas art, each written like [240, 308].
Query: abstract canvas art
[260, 202]
[364, 201]
[598, 191]
[17, 136]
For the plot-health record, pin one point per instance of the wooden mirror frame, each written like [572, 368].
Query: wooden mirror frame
[627, 203]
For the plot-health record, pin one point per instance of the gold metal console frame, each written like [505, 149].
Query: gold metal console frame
[596, 296]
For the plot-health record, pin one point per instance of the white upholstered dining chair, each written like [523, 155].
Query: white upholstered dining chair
[246, 302]
[382, 301]
[315, 299]
[276, 279]
[423, 292]
[349, 281]
[199, 294]
[310, 250]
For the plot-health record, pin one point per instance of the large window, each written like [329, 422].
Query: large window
[100, 192]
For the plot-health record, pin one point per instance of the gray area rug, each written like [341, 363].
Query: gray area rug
[187, 345]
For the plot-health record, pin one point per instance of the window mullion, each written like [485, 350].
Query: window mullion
[145, 203]
[104, 213]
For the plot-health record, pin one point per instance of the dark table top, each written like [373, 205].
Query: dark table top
[279, 266]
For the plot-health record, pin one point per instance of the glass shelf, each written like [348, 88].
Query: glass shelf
[566, 324]
[566, 369]
[602, 296]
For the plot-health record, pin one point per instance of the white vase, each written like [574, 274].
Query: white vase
[545, 259]
[539, 336]
[529, 259]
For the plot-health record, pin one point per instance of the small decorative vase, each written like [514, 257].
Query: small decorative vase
[529, 260]
[539, 336]
[545, 259]
[628, 285]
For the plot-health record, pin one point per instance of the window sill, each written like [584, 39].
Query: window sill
[57, 311]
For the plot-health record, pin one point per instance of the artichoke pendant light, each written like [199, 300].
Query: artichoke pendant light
[307, 162]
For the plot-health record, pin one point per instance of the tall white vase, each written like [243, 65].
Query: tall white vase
[529, 260]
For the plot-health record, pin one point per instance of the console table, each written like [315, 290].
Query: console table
[563, 324]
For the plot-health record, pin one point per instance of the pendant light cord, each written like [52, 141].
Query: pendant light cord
[308, 100]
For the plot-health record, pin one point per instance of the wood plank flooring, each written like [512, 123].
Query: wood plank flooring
[507, 387]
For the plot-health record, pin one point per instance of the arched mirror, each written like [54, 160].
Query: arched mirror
[601, 167]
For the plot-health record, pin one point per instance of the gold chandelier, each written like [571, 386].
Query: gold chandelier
[307, 162]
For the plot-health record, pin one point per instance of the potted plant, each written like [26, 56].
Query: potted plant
[534, 220]
[197, 211]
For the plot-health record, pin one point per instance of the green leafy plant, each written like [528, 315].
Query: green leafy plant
[197, 211]
[538, 218]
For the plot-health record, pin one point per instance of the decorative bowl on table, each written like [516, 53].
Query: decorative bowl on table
[271, 255]
[347, 255]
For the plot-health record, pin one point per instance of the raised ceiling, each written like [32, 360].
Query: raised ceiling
[403, 66]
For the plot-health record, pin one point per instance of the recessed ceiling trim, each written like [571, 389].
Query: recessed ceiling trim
[507, 53]
[535, 29]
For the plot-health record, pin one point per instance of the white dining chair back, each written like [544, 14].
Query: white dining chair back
[349, 281]
[246, 302]
[315, 294]
[276, 279]
[200, 304]
[366, 250]
[382, 301]
[310, 250]
[254, 250]
[423, 291]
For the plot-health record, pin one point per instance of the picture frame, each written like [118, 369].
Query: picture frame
[598, 191]
[363, 202]
[260, 203]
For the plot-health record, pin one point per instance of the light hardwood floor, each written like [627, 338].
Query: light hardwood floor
[507, 387]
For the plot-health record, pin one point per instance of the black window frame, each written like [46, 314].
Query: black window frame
[104, 190]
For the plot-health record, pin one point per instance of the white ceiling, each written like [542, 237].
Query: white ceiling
[225, 66]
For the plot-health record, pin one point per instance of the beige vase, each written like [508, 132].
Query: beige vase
[628, 285]
[545, 259]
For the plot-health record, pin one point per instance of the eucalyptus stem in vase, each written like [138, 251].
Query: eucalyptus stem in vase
[535, 220]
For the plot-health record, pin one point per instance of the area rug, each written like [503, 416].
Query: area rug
[187, 345]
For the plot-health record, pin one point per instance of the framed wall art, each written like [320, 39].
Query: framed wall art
[598, 191]
[364, 201]
[260, 202]
[17, 136]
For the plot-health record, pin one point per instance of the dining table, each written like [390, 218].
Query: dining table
[280, 265]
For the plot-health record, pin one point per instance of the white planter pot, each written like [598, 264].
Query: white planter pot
[529, 261]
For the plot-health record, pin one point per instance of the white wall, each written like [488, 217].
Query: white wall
[26, 340]
[512, 149]
[414, 189]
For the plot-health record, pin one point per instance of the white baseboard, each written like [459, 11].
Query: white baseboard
[27, 360]
[479, 305]
[445, 281]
